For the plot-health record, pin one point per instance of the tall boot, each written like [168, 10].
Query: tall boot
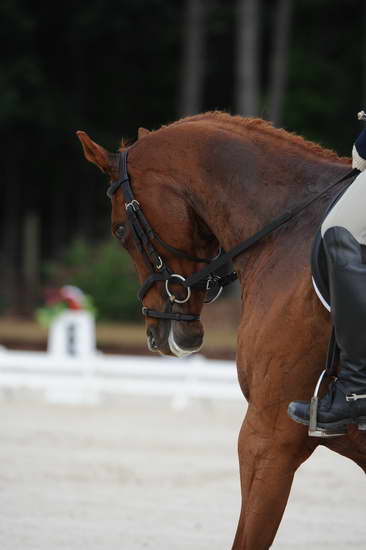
[345, 401]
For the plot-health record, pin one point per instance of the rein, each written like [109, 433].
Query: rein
[208, 278]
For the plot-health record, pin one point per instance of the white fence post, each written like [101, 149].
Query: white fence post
[72, 336]
[72, 333]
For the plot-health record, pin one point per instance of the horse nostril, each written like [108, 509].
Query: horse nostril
[151, 335]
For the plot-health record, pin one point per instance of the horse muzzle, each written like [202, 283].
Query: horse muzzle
[174, 338]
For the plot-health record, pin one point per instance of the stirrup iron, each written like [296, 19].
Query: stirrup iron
[314, 430]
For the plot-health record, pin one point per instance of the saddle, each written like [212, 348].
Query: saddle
[319, 271]
[318, 261]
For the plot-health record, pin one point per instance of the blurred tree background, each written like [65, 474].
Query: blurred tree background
[109, 67]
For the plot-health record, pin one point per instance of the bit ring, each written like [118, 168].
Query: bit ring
[172, 297]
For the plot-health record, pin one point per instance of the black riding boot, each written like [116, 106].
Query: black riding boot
[345, 400]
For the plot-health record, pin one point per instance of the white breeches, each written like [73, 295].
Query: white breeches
[350, 210]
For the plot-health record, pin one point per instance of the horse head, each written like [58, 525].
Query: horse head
[154, 220]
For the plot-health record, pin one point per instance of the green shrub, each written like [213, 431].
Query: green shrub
[103, 271]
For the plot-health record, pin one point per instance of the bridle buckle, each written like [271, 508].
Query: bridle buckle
[134, 204]
[213, 281]
[159, 264]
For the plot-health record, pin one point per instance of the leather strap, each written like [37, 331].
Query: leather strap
[148, 283]
[173, 316]
[276, 223]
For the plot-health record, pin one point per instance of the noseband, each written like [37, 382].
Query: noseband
[206, 279]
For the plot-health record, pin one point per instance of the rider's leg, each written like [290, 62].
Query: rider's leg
[349, 211]
[345, 401]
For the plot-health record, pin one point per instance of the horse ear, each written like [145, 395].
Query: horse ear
[142, 132]
[97, 154]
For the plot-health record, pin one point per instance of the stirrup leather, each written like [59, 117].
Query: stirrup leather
[331, 360]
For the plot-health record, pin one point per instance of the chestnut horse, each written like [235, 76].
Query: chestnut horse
[214, 179]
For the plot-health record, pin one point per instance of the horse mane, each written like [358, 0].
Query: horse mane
[241, 125]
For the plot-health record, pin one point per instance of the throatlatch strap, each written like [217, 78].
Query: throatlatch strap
[181, 253]
[122, 170]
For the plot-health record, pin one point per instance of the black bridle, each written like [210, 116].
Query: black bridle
[207, 278]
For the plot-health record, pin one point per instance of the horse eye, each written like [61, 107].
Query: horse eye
[119, 232]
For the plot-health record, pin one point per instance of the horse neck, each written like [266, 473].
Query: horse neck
[241, 202]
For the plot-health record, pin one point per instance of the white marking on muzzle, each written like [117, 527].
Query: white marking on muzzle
[177, 350]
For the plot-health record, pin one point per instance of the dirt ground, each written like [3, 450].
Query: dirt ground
[136, 474]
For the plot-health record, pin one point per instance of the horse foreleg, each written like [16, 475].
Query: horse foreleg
[268, 462]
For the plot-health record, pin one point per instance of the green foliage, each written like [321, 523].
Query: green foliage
[102, 271]
[110, 67]
[45, 315]
[326, 65]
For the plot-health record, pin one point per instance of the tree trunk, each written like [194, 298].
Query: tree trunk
[247, 57]
[31, 260]
[279, 62]
[193, 62]
[10, 233]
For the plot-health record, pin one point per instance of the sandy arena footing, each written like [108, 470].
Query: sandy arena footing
[135, 474]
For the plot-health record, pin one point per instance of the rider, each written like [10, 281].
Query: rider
[343, 231]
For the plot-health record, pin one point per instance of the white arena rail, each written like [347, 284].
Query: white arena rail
[92, 377]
